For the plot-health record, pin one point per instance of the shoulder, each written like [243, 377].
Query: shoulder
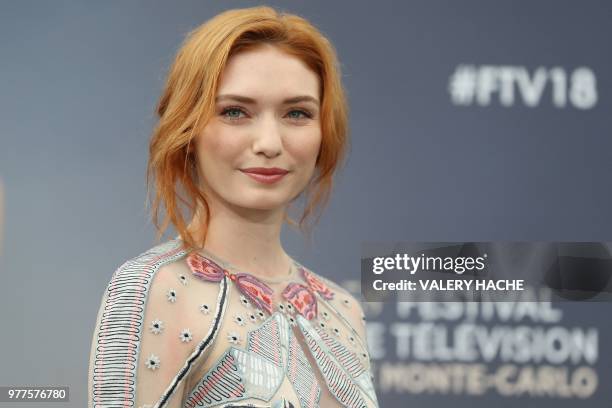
[138, 284]
[150, 260]
[152, 319]
[339, 294]
[339, 298]
[157, 278]
[134, 276]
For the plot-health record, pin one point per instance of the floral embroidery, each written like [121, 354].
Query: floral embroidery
[317, 284]
[157, 326]
[183, 279]
[239, 320]
[233, 337]
[252, 317]
[204, 308]
[289, 307]
[171, 296]
[261, 314]
[245, 301]
[252, 288]
[302, 299]
[153, 362]
[186, 336]
[281, 307]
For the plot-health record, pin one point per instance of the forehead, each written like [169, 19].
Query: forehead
[268, 72]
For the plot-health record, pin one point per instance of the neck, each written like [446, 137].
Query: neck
[248, 241]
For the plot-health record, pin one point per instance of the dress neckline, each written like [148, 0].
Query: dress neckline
[302, 295]
[291, 273]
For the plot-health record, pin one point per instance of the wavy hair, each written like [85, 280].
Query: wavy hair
[188, 101]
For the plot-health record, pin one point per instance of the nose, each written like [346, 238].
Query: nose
[267, 138]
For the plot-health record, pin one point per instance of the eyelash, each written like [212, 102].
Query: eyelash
[224, 111]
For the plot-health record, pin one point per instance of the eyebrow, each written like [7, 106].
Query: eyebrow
[246, 99]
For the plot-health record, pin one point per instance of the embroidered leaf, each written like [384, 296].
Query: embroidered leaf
[302, 298]
[204, 268]
[255, 291]
[317, 284]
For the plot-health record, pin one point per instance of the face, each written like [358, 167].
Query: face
[266, 119]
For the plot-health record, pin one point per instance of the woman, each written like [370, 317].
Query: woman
[252, 116]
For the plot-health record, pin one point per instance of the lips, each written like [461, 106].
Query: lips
[265, 175]
[265, 171]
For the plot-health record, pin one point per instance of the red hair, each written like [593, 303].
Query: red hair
[188, 100]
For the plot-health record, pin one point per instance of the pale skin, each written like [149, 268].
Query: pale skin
[267, 114]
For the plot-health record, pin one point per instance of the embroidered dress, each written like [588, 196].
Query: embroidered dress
[189, 330]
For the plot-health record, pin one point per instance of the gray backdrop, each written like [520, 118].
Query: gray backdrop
[472, 120]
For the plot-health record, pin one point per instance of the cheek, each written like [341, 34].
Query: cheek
[306, 146]
[216, 144]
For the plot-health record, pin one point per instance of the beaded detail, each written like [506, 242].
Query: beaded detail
[153, 362]
[183, 279]
[204, 308]
[186, 336]
[262, 356]
[245, 302]
[157, 326]
[239, 320]
[233, 337]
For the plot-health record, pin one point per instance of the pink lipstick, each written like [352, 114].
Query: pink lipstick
[264, 174]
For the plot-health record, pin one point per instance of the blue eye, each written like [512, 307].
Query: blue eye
[232, 113]
[235, 113]
[298, 114]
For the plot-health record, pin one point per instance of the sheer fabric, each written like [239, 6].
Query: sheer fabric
[180, 330]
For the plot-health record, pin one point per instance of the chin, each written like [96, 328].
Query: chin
[263, 200]
[263, 205]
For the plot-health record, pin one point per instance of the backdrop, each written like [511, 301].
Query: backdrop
[470, 121]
